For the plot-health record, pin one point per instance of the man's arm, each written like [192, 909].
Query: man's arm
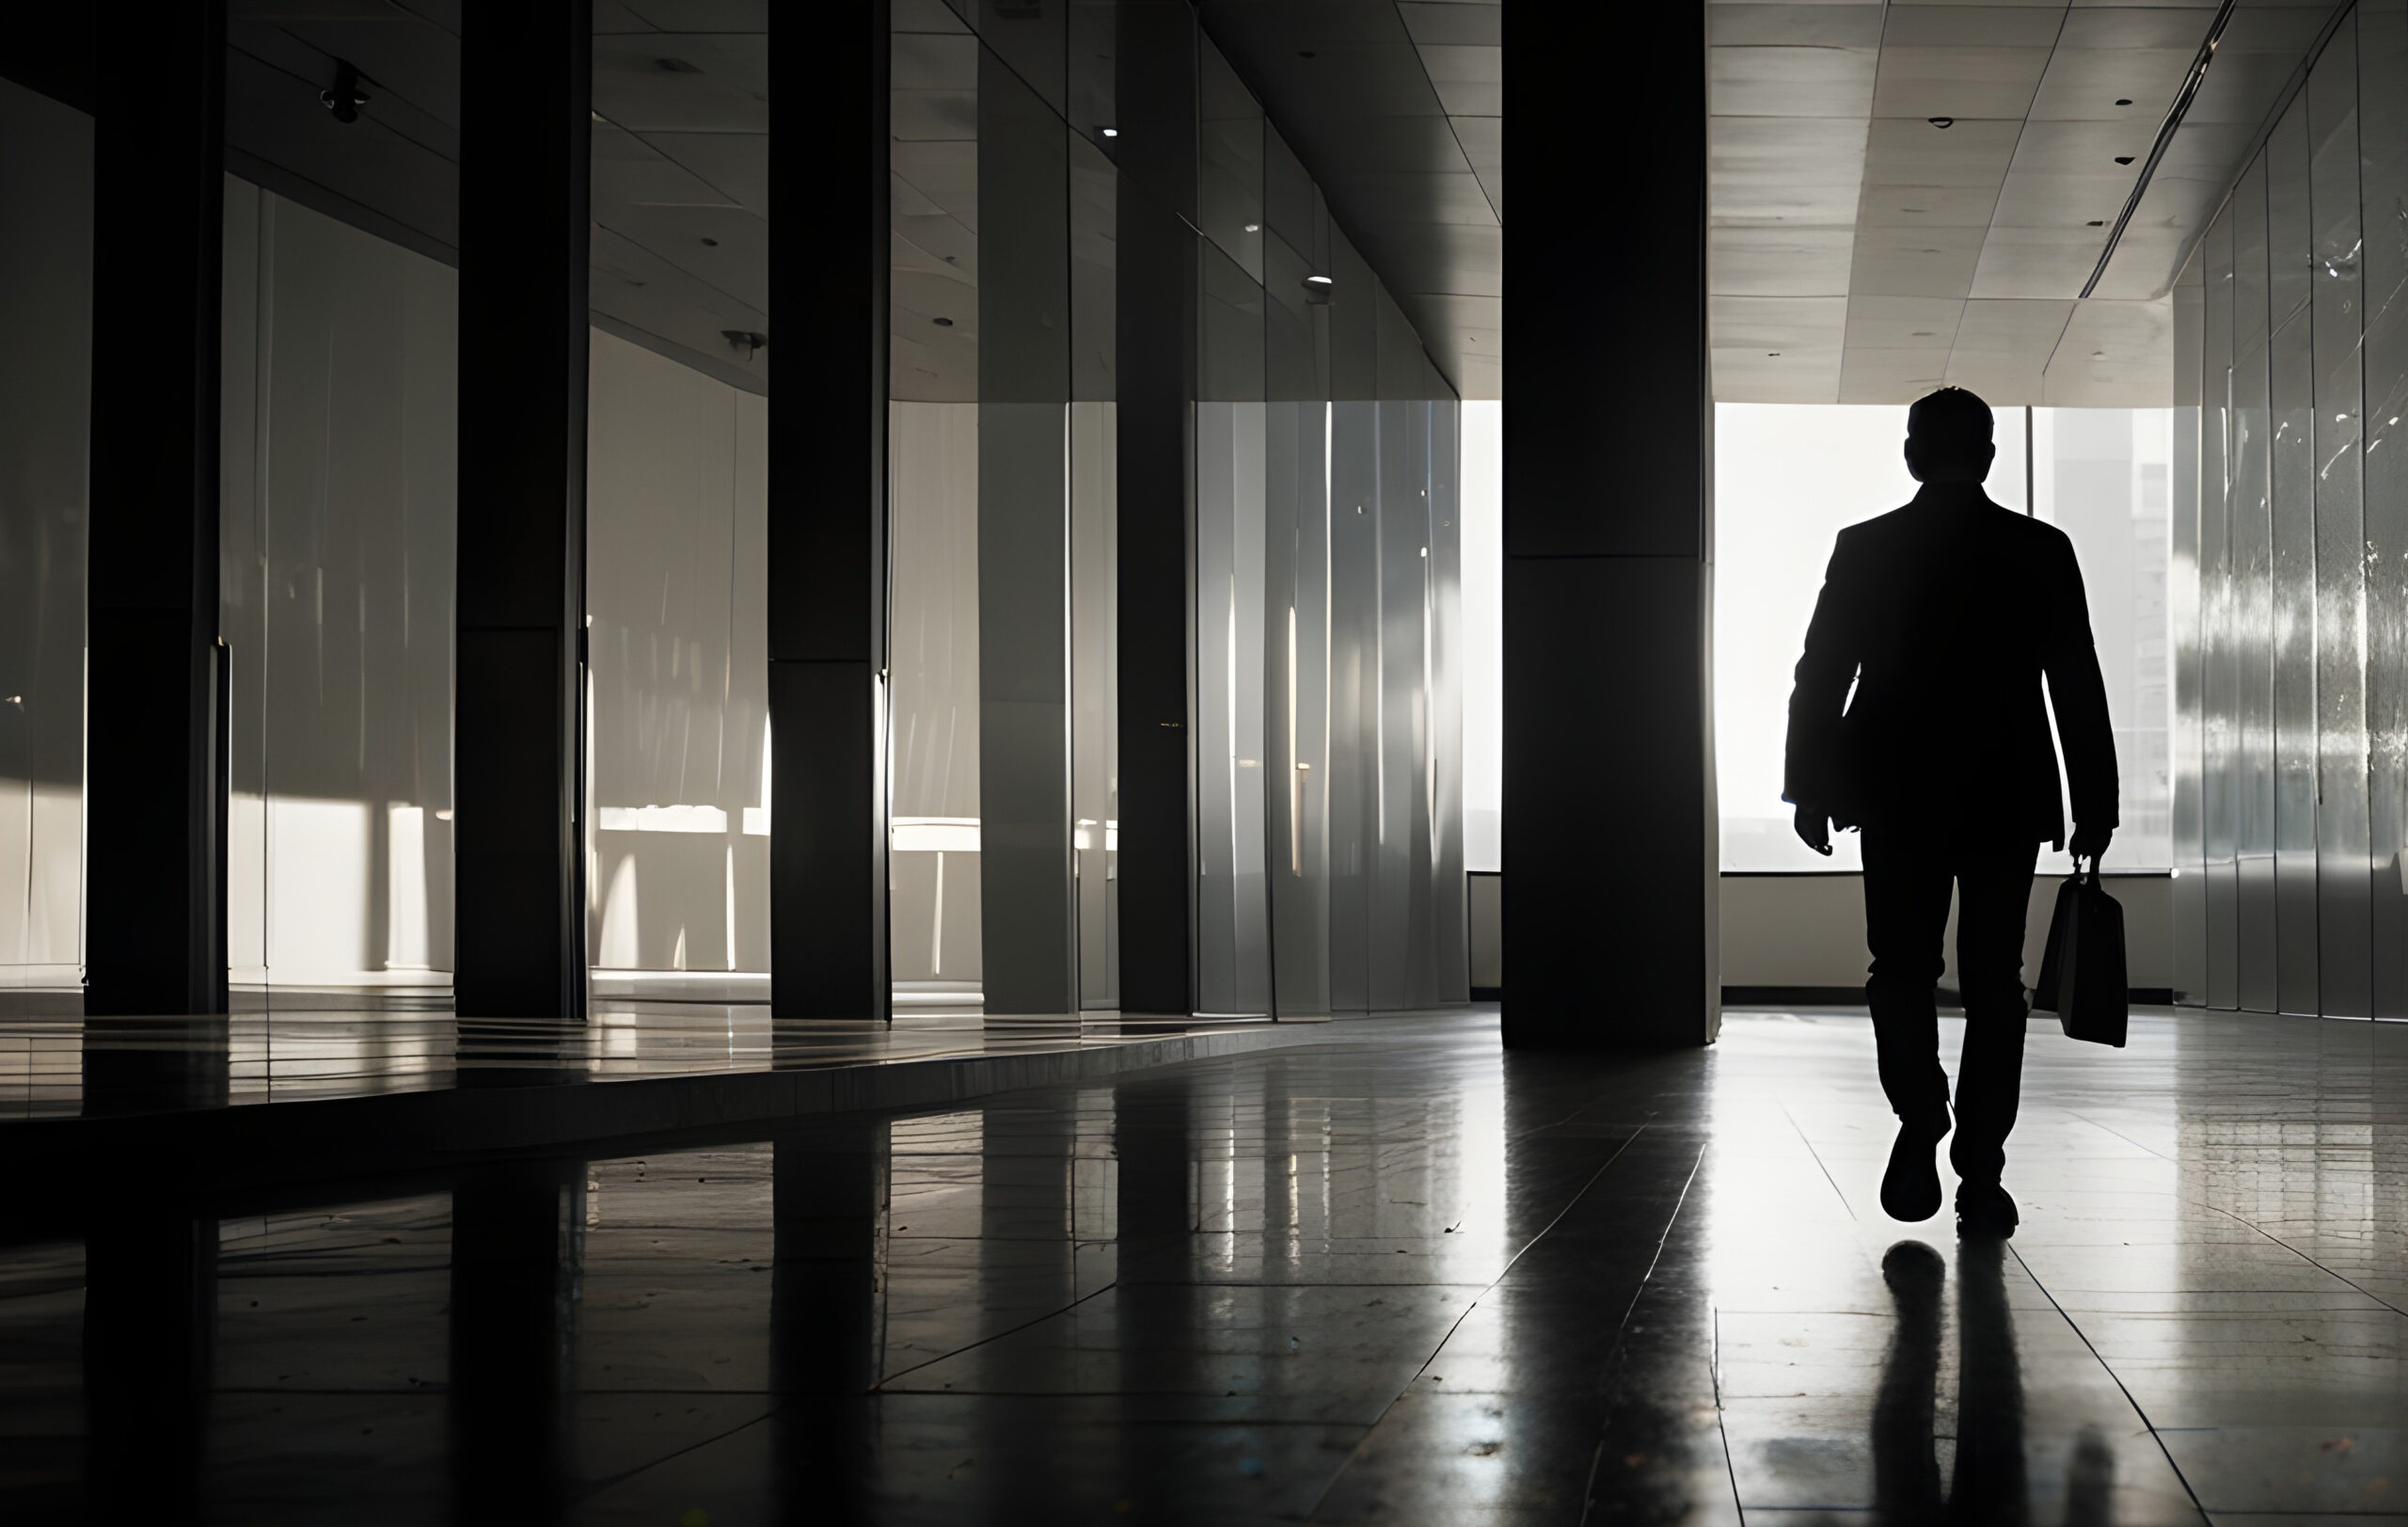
[2079, 697]
[1810, 772]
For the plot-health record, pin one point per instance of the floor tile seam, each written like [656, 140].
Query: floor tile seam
[595, 1487]
[1355, 1453]
[2155, 1436]
[1820, 1163]
[1622, 1329]
[2337, 1277]
[990, 1336]
[1721, 1422]
[2105, 1129]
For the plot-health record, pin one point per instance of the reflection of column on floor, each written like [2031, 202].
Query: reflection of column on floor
[518, 1262]
[1026, 1271]
[150, 1319]
[1154, 1303]
[150, 1065]
[826, 1315]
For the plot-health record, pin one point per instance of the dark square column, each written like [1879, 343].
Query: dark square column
[525, 77]
[829, 254]
[154, 806]
[1155, 355]
[1610, 833]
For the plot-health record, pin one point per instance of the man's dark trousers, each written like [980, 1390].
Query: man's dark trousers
[1908, 875]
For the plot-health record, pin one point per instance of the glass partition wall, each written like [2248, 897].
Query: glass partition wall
[1317, 518]
[1326, 739]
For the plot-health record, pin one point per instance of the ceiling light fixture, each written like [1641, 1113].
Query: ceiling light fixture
[1941, 121]
[346, 98]
[745, 339]
[1319, 288]
[942, 323]
[2125, 158]
[1109, 132]
[1254, 228]
[2123, 101]
[2097, 222]
[2165, 131]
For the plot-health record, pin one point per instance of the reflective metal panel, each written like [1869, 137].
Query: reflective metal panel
[2249, 503]
[2293, 610]
[1233, 955]
[2383, 146]
[1354, 691]
[2343, 959]
[1449, 931]
[2182, 621]
[2219, 669]
[1399, 828]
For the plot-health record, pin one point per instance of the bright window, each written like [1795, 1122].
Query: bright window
[1788, 477]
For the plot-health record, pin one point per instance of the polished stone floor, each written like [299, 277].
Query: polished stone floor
[1390, 1275]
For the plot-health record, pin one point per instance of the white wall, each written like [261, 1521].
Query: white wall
[1809, 929]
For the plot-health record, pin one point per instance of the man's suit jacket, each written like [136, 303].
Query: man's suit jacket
[1946, 615]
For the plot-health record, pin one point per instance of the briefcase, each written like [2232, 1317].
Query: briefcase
[2082, 975]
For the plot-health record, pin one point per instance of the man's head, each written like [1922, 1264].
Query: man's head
[1948, 438]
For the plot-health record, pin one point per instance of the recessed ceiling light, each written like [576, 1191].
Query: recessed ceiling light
[2123, 159]
[1941, 121]
[2124, 101]
[1319, 280]
[2098, 222]
[1109, 132]
[1254, 228]
[1772, 355]
[942, 323]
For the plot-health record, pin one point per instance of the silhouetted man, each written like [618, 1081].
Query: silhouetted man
[1946, 615]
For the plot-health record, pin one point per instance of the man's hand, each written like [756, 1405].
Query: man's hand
[2089, 842]
[1815, 829]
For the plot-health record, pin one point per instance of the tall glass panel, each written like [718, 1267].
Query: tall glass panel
[2219, 670]
[1028, 905]
[1353, 325]
[45, 423]
[676, 532]
[338, 546]
[2249, 504]
[1095, 509]
[2383, 146]
[2344, 960]
[935, 940]
[1449, 935]
[1297, 612]
[2291, 370]
[1233, 954]
[2188, 886]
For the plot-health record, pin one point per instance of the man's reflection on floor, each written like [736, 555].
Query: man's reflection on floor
[1987, 1483]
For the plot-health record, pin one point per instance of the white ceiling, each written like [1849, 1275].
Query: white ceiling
[1860, 253]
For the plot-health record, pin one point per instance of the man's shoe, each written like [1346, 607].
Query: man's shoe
[1985, 1210]
[1910, 1189]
